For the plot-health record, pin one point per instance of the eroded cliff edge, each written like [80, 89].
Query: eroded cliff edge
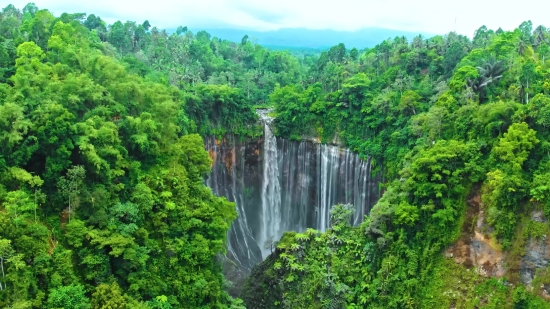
[525, 262]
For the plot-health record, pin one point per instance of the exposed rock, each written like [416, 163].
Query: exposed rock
[474, 249]
[537, 253]
[477, 249]
[236, 171]
[234, 274]
[538, 216]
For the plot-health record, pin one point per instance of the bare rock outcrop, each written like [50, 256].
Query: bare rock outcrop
[475, 248]
[536, 254]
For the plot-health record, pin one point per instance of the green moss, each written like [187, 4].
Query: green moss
[537, 229]
[454, 286]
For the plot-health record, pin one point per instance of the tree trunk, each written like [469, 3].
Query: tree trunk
[521, 93]
[3, 274]
[35, 206]
[527, 93]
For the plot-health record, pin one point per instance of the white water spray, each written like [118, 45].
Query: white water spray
[271, 190]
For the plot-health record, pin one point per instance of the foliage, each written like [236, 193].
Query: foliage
[102, 164]
[438, 116]
[102, 200]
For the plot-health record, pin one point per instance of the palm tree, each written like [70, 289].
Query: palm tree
[418, 42]
[490, 71]
[437, 43]
[540, 35]
[521, 45]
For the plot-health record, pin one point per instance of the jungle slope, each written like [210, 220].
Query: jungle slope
[444, 118]
[102, 195]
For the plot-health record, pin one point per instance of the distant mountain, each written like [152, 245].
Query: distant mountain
[290, 38]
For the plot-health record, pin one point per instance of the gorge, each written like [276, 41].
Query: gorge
[280, 185]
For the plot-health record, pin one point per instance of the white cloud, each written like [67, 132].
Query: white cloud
[420, 15]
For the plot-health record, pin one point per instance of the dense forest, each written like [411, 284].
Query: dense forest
[447, 120]
[102, 165]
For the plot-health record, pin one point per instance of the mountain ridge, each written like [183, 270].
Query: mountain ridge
[310, 38]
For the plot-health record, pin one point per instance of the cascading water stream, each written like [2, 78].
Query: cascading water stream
[280, 185]
[271, 190]
[226, 180]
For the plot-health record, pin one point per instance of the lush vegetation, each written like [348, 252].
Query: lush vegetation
[102, 200]
[438, 115]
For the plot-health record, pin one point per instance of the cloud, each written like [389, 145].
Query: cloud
[260, 13]
[431, 16]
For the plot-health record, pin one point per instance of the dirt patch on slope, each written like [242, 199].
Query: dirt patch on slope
[474, 249]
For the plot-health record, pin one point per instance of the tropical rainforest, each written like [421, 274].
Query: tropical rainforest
[103, 202]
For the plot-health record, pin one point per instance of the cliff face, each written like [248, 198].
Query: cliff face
[236, 173]
[535, 259]
[280, 185]
[476, 249]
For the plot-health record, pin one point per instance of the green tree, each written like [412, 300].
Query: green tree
[409, 101]
[506, 186]
[38, 28]
[119, 37]
[6, 252]
[30, 8]
[516, 144]
[70, 185]
[452, 57]
[341, 214]
[19, 204]
[108, 296]
[72, 296]
[528, 75]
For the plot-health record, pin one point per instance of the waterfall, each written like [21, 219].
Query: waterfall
[226, 179]
[271, 190]
[280, 185]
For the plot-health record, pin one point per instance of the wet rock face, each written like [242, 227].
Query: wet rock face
[236, 173]
[280, 185]
[537, 253]
[310, 178]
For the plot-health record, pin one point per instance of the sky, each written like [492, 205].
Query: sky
[427, 16]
